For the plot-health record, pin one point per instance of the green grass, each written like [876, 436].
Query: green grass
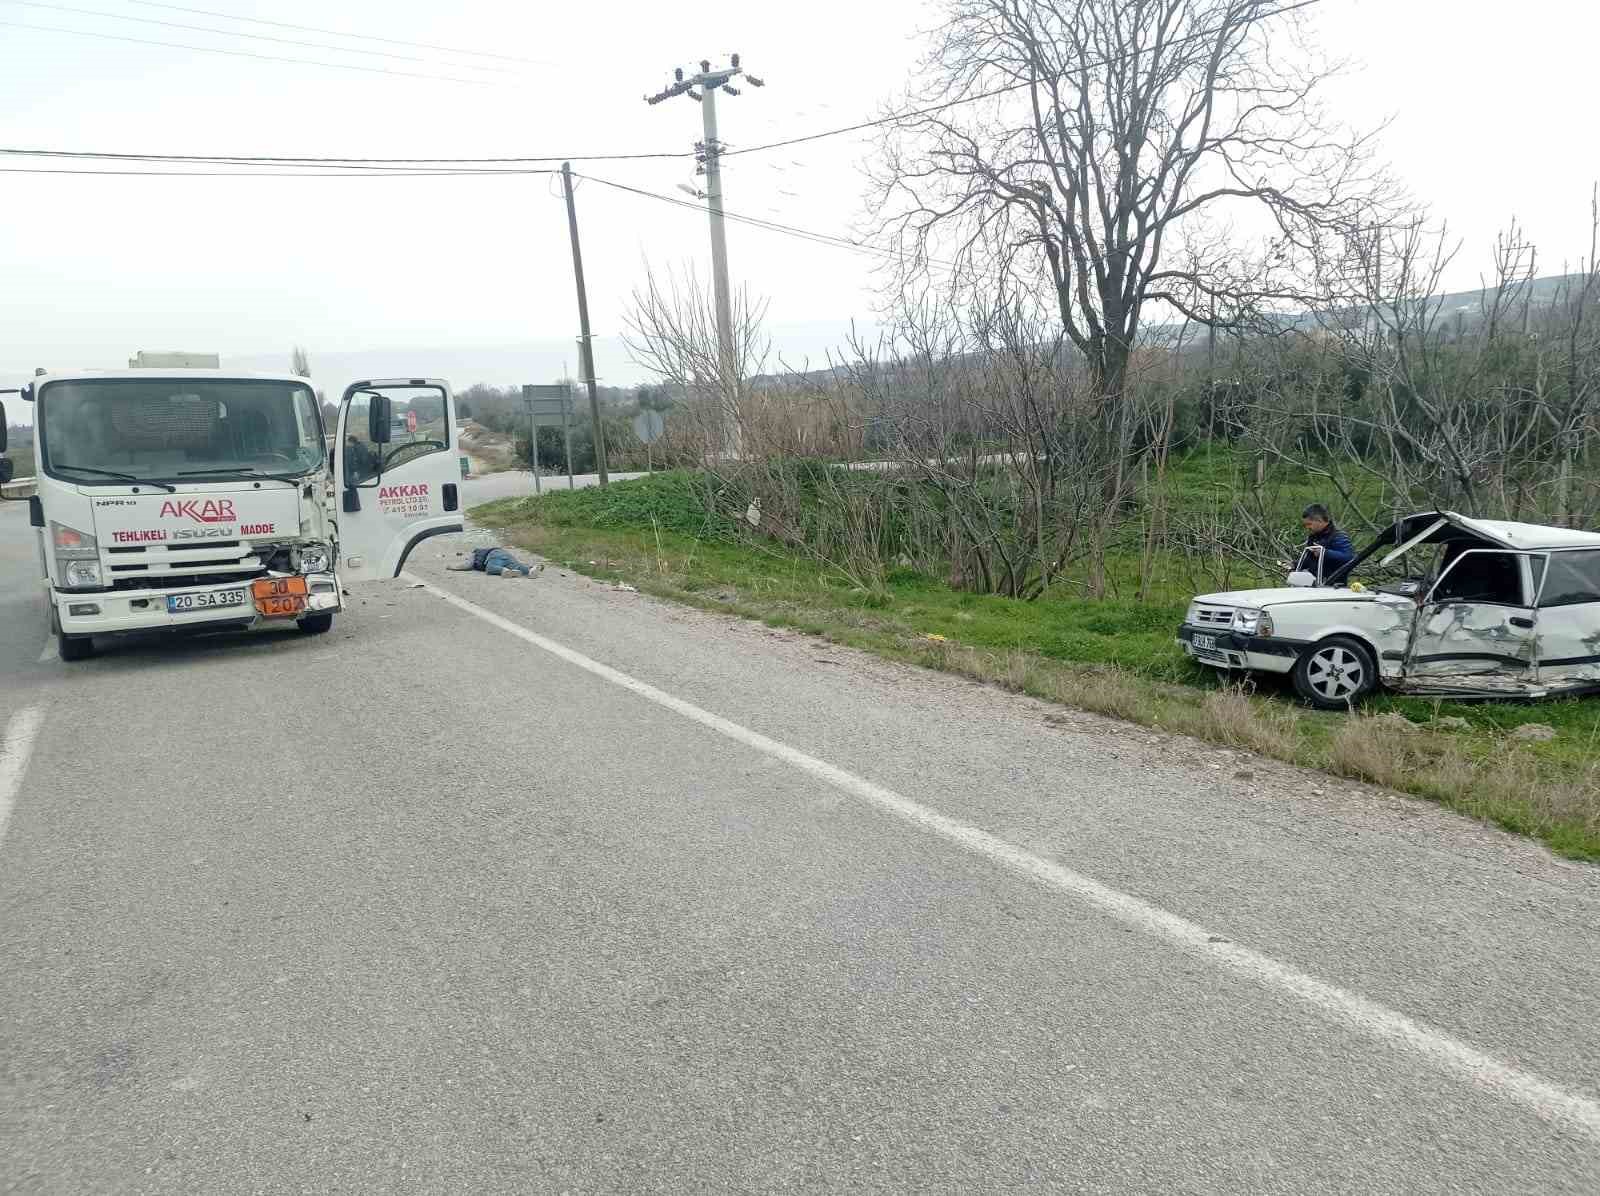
[21, 456]
[1116, 655]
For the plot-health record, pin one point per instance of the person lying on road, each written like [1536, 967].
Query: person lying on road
[497, 562]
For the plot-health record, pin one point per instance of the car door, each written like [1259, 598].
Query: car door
[396, 487]
[1478, 617]
[1569, 618]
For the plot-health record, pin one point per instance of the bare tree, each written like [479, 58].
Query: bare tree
[300, 363]
[672, 332]
[1100, 149]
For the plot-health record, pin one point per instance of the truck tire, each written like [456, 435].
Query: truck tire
[74, 647]
[1335, 673]
[316, 624]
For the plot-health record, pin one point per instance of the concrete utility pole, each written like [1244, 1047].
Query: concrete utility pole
[709, 153]
[585, 343]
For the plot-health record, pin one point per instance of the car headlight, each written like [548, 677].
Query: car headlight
[314, 558]
[77, 557]
[1192, 615]
[1247, 621]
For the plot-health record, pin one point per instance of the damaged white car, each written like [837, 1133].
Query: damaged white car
[1440, 605]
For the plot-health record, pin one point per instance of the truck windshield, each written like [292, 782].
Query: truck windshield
[169, 429]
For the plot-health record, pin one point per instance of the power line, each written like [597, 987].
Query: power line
[998, 91]
[260, 37]
[247, 159]
[830, 240]
[274, 174]
[245, 166]
[309, 160]
[337, 66]
[392, 41]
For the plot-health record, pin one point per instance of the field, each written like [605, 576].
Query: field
[1114, 655]
[21, 457]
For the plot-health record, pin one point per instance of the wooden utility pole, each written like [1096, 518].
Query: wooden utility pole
[585, 342]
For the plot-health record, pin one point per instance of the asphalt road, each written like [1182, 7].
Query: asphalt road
[540, 886]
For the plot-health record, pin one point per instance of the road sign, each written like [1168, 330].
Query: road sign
[648, 426]
[550, 405]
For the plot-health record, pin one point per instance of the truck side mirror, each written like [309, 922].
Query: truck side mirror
[3, 429]
[8, 469]
[378, 420]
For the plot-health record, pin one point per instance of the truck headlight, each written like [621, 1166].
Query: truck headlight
[1192, 615]
[80, 575]
[77, 557]
[314, 558]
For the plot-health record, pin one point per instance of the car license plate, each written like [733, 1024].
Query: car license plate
[178, 603]
[1204, 643]
[279, 597]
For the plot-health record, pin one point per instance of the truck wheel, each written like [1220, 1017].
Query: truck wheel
[74, 647]
[1335, 673]
[316, 624]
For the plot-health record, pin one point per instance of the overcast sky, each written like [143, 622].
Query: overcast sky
[1491, 104]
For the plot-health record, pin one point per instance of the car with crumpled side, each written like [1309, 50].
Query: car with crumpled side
[1440, 605]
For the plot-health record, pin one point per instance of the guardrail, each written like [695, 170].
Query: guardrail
[20, 488]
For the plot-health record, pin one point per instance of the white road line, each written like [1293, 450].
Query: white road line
[15, 749]
[1343, 1008]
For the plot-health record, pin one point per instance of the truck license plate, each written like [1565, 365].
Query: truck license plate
[178, 603]
[1205, 643]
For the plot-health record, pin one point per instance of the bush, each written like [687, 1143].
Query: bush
[679, 502]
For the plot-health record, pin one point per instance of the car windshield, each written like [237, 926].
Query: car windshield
[169, 429]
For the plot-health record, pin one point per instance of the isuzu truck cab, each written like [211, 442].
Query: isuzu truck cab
[201, 499]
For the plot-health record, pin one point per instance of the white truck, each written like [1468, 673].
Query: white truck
[200, 499]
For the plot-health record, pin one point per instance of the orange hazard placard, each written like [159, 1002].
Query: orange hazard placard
[277, 597]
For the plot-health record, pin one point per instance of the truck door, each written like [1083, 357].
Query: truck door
[397, 477]
[1478, 618]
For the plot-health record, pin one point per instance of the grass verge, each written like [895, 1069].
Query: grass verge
[1111, 657]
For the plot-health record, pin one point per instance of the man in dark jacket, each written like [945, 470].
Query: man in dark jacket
[497, 562]
[1324, 541]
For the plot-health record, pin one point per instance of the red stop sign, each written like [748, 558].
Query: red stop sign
[411, 421]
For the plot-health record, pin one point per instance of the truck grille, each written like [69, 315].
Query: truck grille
[145, 566]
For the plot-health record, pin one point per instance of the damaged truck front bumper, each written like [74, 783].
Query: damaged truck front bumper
[220, 604]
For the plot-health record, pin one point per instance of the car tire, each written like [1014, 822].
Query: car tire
[74, 647]
[315, 624]
[1335, 673]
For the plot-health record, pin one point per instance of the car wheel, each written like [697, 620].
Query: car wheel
[1335, 673]
[315, 624]
[74, 647]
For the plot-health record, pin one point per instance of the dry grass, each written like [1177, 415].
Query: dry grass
[1506, 784]
[1234, 718]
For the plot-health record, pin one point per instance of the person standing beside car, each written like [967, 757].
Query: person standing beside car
[1325, 544]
